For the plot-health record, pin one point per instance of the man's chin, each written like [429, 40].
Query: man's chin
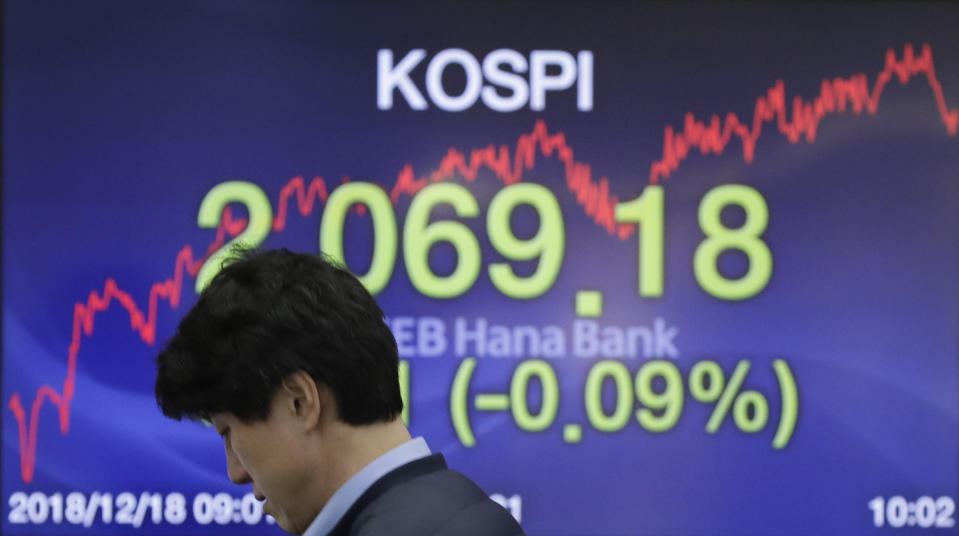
[280, 521]
[284, 523]
[267, 512]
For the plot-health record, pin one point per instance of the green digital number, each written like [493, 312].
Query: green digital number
[211, 211]
[721, 238]
[548, 244]
[419, 235]
[518, 388]
[594, 396]
[669, 401]
[384, 230]
[647, 212]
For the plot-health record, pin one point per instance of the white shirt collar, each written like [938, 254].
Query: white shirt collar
[349, 492]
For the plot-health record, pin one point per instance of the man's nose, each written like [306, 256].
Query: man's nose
[235, 469]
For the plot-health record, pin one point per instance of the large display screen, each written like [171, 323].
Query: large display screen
[666, 268]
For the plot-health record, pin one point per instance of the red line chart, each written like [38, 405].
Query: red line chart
[836, 96]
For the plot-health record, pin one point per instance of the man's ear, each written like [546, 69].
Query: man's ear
[303, 398]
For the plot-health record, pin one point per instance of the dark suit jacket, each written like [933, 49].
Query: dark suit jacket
[424, 497]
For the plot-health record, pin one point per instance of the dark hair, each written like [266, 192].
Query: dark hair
[268, 315]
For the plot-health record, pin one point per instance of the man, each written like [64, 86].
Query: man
[290, 359]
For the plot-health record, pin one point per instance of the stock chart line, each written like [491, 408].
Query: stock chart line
[84, 315]
[508, 166]
[835, 97]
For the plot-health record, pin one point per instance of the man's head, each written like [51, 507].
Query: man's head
[288, 355]
[266, 316]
